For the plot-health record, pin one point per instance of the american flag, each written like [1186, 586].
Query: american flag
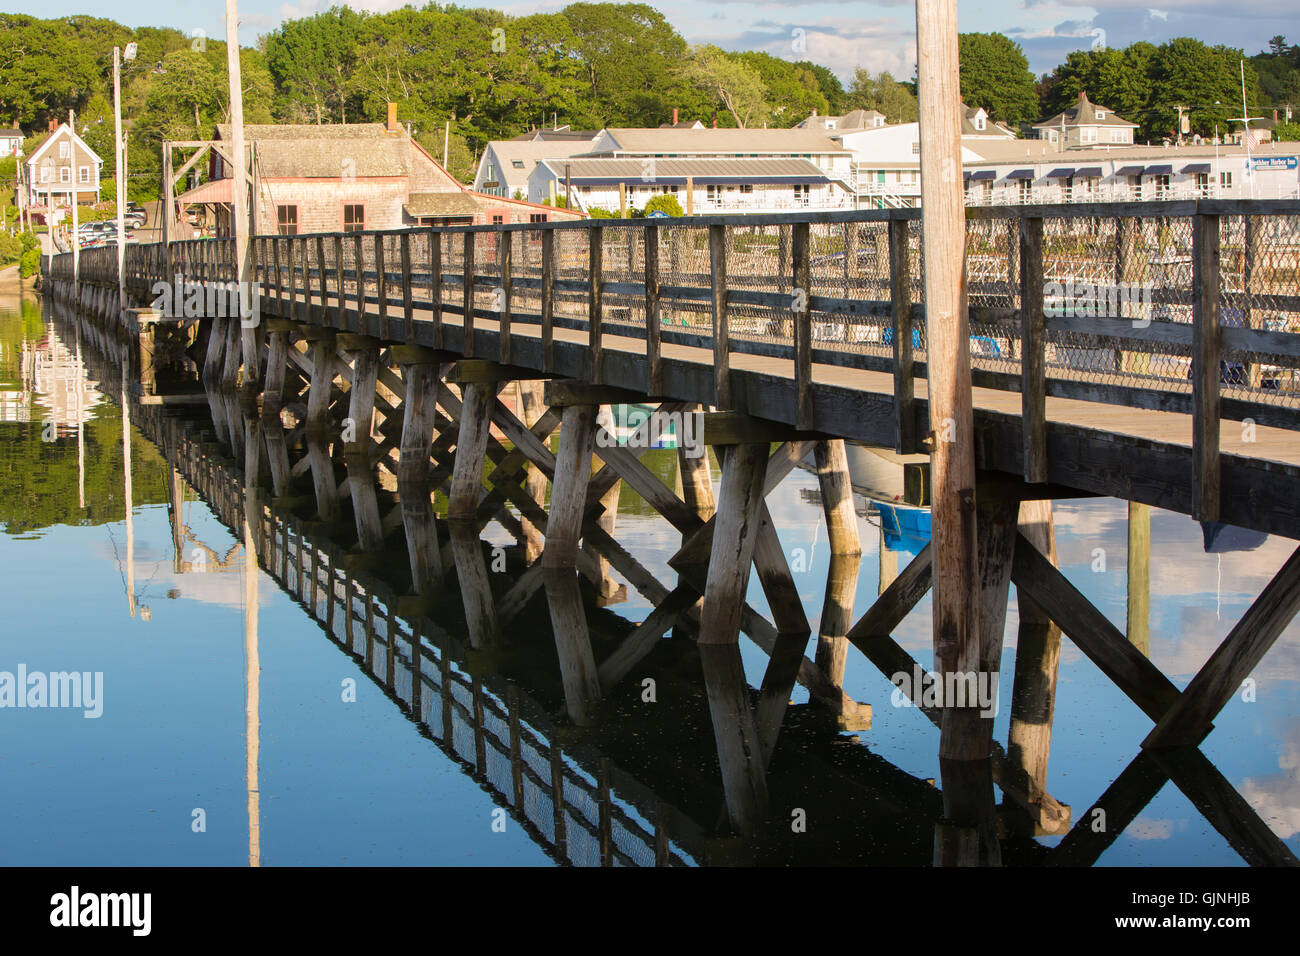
[1250, 140]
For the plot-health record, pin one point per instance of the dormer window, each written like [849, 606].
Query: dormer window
[830, 124]
[1101, 114]
[979, 122]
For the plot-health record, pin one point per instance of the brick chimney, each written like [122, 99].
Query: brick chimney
[814, 111]
[1275, 116]
[715, 120]
[675, 115]
[392, 118]
[53, 125]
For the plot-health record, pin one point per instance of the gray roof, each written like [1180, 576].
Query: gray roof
[636, 170]
[423, 205]
[1084, 113]
[326, 151]
[710, 140]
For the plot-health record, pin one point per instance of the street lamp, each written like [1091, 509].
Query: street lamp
[118, 166]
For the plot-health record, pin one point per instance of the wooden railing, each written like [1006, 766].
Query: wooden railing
[1211, 327]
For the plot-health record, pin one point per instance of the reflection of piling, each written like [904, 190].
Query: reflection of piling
[1033, 691]
[1139, 576]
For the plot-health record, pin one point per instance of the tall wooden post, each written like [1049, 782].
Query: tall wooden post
[239, 189]
[952, 465]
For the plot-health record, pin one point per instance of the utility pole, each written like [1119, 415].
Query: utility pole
[119, 168]
[1181, 110]
[239, 196]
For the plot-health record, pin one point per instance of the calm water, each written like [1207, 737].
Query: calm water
[358, 782]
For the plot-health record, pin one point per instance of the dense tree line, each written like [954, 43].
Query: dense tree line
[491, 76]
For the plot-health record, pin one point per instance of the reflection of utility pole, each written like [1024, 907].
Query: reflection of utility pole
[252, 674]
[1180, 123]
[126, 494]
[1139, 576]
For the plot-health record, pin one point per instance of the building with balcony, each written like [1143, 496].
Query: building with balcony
[1040, 172]
[701, 186]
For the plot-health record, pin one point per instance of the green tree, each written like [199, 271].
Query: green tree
[995, 75]
[791, 91]
[665, 203]
[732, 85]
[882, 93]
[1205, 79]
[829, 84]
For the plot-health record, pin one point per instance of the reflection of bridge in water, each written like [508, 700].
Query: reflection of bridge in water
[381, 361]
[594, 788]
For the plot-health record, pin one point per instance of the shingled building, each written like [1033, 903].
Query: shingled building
[351, 177]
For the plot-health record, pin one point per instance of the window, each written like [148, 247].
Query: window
[1203, 184]
[498, 219]
[1026, 190]
[802, 193]
[537, 217]
[1088, 134]
[517, 163]
[46, 174]
[1225, 180]
[65, 174]
[713, 193]
[1135, 186]
[84, 174]
[354, 217]
[916, 148]
[286, 220]
[65, 149]
[746, 187]
[1101, 114]
[1162, 186]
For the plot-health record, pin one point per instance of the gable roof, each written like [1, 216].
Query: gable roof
[530, 153]
[325, 151]
[1084, 113]
[50, 139]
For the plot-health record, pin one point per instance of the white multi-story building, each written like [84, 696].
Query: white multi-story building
[1039, 172]
[701, 186]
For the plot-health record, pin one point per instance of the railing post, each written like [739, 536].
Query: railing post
[1033, 361]
[279, 277]
[408, 305]
[381, 285]
[653, 359]
[435, 284]
[801, 280]
[548, 300]
[503, 290]
[324, 283]
[467, 295]
[1205, 367]
[342, 312]
[359, 254]
[292, 279]
[721, 329]
[900, 316]
[595, 291]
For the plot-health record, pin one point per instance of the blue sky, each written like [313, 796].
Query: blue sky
[840, 34]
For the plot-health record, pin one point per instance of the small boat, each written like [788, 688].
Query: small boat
[897, 488]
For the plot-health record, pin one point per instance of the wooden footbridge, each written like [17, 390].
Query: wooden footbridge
[442, 361]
